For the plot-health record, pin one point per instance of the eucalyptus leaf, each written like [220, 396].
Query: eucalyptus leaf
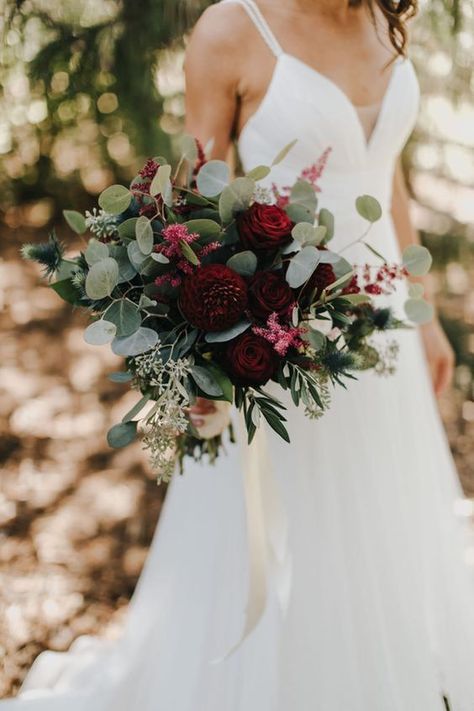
[343, 268]
[96, 251]
[135, 254]
[115, 199]
[75, 220]
[100, 332]
[139, 342]
[125, 315]
[368, 208]
[304, 195]
[292, 247]
[284, 152]
[302, 232]
[244, 263]
[205, 381]
[127, 270]
[121, 435]
[259, 172]
[326, 219]
[328, 257]
[419, 311]
[416, 290]
[126, 229]
[229, 334]
[417, 260]
[159, 257]
[102, 278]
[302, 266]
[161, 183]
[213, 177]
[204, 227]
[121, 377]
[144, 234]
[299, 213]
[236, 197]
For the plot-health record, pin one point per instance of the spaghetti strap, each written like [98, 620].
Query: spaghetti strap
[260, 23]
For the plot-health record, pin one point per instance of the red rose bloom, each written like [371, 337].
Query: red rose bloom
[264, 227]
[269, 293]
[251, 359]
[213, 298]
[321, 278]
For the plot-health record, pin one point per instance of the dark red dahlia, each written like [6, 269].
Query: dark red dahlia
[251, 359]
[264, 227]
[269, 293]
[213, 298]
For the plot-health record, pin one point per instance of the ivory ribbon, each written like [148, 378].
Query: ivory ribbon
[267, 534]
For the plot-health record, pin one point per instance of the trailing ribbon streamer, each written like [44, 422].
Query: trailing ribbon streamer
[267, 535]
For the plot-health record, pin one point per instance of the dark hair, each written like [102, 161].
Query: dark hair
[396, 13]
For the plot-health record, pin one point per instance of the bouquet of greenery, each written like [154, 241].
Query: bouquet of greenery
[213, 287]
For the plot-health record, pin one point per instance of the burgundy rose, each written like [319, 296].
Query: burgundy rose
[251, 359]
[321, 278]
[213, 298]
[264, 227]
[269, 293]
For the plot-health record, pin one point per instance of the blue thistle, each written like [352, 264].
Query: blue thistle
[49, 254]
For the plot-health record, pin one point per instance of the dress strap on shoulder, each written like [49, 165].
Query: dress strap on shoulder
[260, 23]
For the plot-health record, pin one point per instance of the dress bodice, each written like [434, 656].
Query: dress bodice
[302, 103]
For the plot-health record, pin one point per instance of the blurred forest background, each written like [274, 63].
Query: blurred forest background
[89, 89]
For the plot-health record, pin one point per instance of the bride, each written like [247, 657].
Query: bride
[369, 605]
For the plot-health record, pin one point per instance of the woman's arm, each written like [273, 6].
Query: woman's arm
[212, 80]
[438, 350]
[212, 84]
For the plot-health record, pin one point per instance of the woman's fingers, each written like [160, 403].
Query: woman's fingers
[202, 407]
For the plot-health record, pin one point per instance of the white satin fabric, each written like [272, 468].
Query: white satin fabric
[369, 603]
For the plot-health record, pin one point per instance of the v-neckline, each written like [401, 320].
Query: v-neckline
[367, 141]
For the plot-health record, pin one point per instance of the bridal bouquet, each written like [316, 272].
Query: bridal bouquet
[213, 287]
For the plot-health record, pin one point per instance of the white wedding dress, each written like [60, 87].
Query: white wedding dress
[370, 606]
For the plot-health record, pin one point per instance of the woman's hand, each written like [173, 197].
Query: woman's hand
[209, 417]
[439, 354]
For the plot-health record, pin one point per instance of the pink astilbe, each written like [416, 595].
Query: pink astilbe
[281, 337]
[174, 236]
[149, 169]
[311, 175]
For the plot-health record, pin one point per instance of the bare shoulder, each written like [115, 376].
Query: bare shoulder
[219, 33]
